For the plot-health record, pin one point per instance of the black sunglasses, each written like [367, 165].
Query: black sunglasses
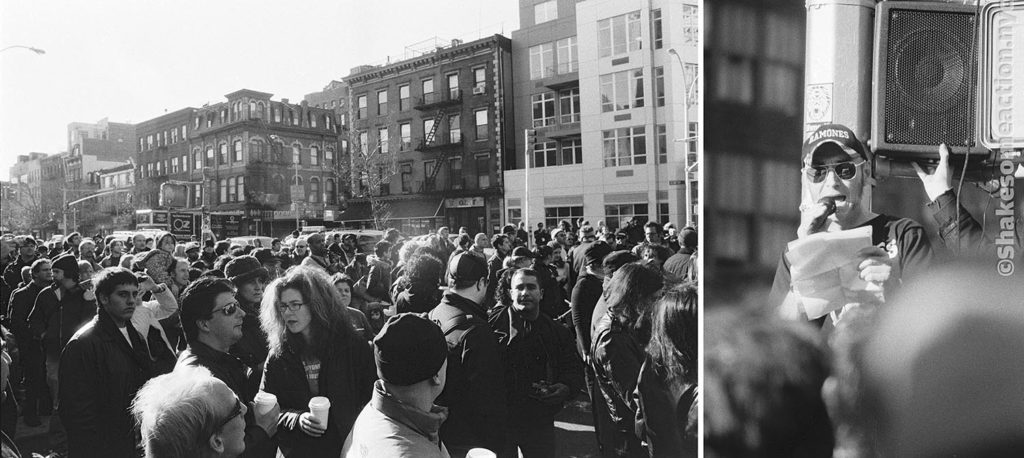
[234, 413]
[227, 310]
[844, 170]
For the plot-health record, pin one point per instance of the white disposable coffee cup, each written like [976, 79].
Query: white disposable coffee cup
[319, 406]
[264, 402]
[480, 453]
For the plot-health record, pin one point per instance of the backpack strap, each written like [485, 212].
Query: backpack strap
[456, 327]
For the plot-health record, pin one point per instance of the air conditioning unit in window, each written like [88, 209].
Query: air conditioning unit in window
[479, 90]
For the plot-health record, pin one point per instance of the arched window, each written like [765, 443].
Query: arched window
[256, 150]
[238, 150]
[312, 120]
[328, 155]
[259, 110]
[232, 196]
[296, 180]
[252, 109]
[209, 156]
[314, 190]
[295, 118]
[332, 198]
[197, 158]
[314, 155]
[223, 159]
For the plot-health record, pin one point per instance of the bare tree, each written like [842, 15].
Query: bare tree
[371, 172]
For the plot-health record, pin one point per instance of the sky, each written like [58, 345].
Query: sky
[130, 61]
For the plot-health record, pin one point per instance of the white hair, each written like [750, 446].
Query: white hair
[178, 412]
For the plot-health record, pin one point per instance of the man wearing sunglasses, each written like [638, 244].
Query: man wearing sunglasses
[837, 180]
[212, 321]
[189, 412]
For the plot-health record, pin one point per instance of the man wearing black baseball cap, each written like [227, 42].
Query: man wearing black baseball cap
[401, 418]
[836, 195]
[475, 389]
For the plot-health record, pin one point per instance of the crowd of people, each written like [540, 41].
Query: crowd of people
[432, 345]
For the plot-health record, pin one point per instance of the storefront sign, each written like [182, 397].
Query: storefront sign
[464, 202]
[182, 224]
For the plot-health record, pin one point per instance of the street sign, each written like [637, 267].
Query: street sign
[297, 191]
[464, 202]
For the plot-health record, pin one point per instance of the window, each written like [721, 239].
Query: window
[184, 163]
[382, 139]
[483, 171]
[197, 159]
[209, 120]
[568, 57]
[329, 191]
[224, 190]
[453, 86]
[619, 34]
[545, 154]
[661, 141]
[572, 151]
[543, 109]
[364, 140]
[691, 31]
[311, 118]
[361, 103]
[622, 90]
[149, 141]
[209, 156]
[616, 216]
[552, 215]
[455, 172]
[428, 175]
[197, 195]
[403, 97]
[406, 174]
[278, 185]
[515, 215]
[174, 165]
[656, 27]
[428, 90]
[691, 140]
[382, 102]
[232, 190]
[659, 86]
[625, 146]
[184, 134]
[569, 103]
[241, 189]
[479, 80]
[223, 156]
[259, 110]
[481, 124]
[197, 121]
[544, 12]
[690, 70]
[296, 154]
[455, 129]
[277, 114]
[174, 136]
[142, 144]
[405, 130]
[314, 155]
[329, 155]
[542, 60]
[314, 190]
[238, 150]
[428, 125]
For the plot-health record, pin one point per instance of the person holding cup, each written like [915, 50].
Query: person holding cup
[320, 369]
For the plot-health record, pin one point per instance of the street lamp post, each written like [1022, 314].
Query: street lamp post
[30, 48]
[686, 138]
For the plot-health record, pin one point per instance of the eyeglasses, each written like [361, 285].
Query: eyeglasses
[236, 411]
[292, 306]
[227, 310]
[844, 170]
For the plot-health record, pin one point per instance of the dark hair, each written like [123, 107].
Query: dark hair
[544, 251]
[424, 268]
[197, 301]
[381, 249]
[107, 280]
[630, 295]
[222, 261]
[194, 274]
[673, 345]
[465, 241]
[653, 224]
[498, 239]
[763, 377]
[343, 278]
[221, 247]
[661, 252]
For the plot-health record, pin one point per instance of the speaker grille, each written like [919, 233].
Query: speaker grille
[928, 76]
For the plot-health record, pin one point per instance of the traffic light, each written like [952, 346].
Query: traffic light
[173, 195]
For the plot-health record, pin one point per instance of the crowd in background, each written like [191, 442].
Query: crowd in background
[432, 345]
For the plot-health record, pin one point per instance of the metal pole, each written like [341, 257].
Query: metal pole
[297, 202]
[64, 208]
[686, 138]
[526, 184]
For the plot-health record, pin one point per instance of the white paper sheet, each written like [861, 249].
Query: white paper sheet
[823, 266]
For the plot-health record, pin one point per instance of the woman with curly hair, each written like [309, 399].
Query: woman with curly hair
[666, 392]
[617, 353]
[314, 351]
